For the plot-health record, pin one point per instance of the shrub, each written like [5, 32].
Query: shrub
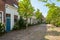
[58, 24]
[30, 24]
[2, 28]
[20, 24]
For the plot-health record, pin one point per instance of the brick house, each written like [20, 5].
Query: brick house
[8, 13]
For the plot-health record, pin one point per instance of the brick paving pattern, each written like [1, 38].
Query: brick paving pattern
[37, 32]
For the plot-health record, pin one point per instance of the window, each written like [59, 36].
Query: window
[15, 18]
[0, 16]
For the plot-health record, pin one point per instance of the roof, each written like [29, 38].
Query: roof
[11, 2]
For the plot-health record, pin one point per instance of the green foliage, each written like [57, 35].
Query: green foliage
[50, 5]
[25, 9]
[20, 24]
[58, 0]
[58, 24]
[38, 15]
[53, 16]
[2, 28]
[43, 0]
[47, 0]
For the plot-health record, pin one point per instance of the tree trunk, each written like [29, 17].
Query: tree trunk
[30, 20]
[26, 22]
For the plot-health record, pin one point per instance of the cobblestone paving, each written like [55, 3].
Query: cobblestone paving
[32, 33]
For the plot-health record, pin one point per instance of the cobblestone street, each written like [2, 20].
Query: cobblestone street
[38, 32]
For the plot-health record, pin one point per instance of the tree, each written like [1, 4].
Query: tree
[38, 15]
[47, 0]
[50, 11]
[53, 14]
[25, 9]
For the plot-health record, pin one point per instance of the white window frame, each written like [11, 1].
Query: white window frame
[2, 16]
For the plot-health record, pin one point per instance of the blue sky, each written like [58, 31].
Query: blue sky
[40, 5]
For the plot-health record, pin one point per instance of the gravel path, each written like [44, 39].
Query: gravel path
[33, 33]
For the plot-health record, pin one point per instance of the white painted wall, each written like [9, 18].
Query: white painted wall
[13, 11]
[33, 20]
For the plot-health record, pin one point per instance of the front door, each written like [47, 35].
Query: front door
[8, 23]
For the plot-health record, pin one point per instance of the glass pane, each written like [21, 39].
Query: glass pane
[0, 14]
[0, 20]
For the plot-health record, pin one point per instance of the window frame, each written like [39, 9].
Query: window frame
[15, 18]
[2, 16]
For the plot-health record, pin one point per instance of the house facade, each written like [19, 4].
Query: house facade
[33, 20]
[8, 13]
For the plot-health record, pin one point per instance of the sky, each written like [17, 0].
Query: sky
[40, 5]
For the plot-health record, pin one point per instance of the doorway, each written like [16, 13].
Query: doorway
[8, 22]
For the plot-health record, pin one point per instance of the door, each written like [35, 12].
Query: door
[8, 23]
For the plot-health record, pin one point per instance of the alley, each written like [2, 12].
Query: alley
[38, 32]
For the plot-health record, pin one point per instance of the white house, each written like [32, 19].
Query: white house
[11, 15]
[8, 13]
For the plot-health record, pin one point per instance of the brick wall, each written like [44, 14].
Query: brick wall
[2, 4]
[11, 2]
